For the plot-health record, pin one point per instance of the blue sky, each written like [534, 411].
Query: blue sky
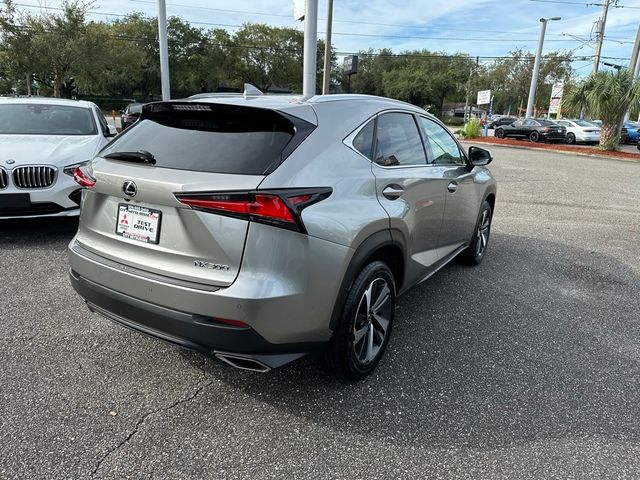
[478, 27]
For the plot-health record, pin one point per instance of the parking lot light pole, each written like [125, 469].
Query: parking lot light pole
[310, 49]
[536, 65]
[164, 50]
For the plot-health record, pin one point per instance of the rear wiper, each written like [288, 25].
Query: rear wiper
[140, 156]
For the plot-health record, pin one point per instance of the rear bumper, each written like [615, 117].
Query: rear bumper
[285, 291]
[184, 329]
[553, 136]
[587, 137]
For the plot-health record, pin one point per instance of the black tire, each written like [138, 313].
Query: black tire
[499, 133]
[534, 137]
[341, 355]
[571, 138]
[473, 255]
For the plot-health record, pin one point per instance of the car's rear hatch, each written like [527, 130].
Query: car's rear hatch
[132, 215]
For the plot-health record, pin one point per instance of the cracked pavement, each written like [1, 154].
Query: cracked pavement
[525, 367]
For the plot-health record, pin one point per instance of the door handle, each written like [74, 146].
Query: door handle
[452, 187]
[393, 191]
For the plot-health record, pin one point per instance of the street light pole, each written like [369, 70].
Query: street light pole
[326, 78]
[310, 49]
[164, 50]
[536, 65]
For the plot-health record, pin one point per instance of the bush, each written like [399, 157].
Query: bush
[107, 103]
[472, 129]
[452, 121]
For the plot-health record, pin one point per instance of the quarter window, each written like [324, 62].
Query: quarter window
[363, 141]
[398, 142]
[442, 149]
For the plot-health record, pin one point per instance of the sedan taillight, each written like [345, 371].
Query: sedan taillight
[281, 208]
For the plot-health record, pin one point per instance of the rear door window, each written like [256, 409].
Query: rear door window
[398, 141]
[211, 137]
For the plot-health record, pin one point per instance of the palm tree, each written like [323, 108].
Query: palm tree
[606, 96]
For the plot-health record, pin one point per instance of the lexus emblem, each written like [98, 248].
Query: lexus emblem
[11, 161]
[129, 188]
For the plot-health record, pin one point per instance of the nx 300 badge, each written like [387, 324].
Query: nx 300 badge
[209, 265]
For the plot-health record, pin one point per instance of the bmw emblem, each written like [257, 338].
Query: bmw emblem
[129, 188]
[11, 161]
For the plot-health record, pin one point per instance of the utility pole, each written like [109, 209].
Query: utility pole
[164, 50]
[536, 65]
[326, 76]
[600, 38]
[466, 103]
[310, 49]
[634, 64]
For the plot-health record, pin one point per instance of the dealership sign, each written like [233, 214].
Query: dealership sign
[484, 97]
[556, 97]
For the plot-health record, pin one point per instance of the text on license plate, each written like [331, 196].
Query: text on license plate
[138, 223]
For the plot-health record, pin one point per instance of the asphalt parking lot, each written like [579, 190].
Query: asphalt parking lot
[525, 367]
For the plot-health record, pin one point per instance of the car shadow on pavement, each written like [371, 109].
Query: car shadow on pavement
[540, 341]
[37, 231]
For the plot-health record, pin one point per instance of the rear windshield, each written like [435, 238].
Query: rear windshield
[36, 119]
[208, 137]
[546, 123]
[135, 108]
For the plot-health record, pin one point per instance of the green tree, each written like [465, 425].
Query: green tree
[606, 96]
[53, 46]
[509, 79]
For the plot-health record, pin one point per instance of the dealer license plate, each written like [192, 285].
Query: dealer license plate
[138, 223]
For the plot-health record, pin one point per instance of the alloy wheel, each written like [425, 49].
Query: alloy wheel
[372, 320]
[482, 235]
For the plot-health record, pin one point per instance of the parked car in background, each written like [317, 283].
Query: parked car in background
[533, 129]
[356, 198]
[580, 131]
[42, 141]
[633, 132]
[502, 121]
[130, 115]
[624, 136]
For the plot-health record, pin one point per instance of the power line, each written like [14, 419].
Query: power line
[347, 34]
[206, 41]
[586, 4]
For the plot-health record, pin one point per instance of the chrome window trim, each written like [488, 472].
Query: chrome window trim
[53, 183]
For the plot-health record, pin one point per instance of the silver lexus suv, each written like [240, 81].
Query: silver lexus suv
[260, 229]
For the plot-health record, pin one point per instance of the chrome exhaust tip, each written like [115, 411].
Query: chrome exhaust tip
[242, 363]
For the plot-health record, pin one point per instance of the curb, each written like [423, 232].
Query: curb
[548, 150]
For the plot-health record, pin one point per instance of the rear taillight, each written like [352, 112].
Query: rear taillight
[548, 129]
[281, 208]
[83, 178]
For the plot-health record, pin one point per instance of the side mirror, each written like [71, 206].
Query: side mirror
[111, 131]
[479, 157]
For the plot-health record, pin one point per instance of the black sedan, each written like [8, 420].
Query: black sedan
[533, 129]
[502, 121]
[130, 114]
